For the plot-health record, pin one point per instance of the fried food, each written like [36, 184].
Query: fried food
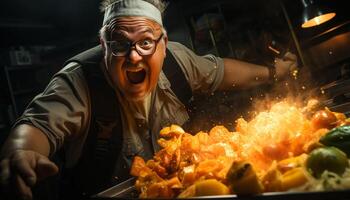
[265, 154]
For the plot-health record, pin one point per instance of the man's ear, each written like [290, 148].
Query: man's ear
[166, 40]
[103, 44]
[165, 44]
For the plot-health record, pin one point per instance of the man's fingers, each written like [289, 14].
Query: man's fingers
[24, 190]
[21, 170]
[45, 167]
[289, 56]
[24, 164]
[4, 172]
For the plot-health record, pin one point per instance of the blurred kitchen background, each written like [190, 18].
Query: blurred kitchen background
[38, 36]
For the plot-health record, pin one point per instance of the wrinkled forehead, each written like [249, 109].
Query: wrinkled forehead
[134, 25]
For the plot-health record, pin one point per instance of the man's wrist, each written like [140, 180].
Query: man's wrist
[272, 74]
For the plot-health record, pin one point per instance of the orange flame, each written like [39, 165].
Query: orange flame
[276, 134]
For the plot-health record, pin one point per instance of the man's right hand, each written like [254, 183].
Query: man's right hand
[22, 169]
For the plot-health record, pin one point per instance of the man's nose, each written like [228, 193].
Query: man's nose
[133, 56]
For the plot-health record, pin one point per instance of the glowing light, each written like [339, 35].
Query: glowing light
[295, 74]
[318, 20]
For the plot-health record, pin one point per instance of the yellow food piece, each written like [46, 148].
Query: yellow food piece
[211, 187]
[171, 131]
[293, 178]
[206, 187]
[243, 179]
[189, 192]
[188, 175]
[272, 179]
[290, 163]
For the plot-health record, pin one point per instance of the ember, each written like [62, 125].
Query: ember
[273, 147]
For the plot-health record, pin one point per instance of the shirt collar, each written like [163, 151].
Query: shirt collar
[163, 81]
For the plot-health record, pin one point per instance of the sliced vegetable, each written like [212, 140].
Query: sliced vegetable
[338, 137]
[206, 187]
[291, 163]
[293, 178]
[211, 187]
[243, 179]
[326, 158]
[272, 179]
[189, 192]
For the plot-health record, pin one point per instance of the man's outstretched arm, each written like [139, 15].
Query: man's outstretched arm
[24, 160]
[244, 75]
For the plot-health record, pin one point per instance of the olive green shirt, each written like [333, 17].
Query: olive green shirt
[62, 110]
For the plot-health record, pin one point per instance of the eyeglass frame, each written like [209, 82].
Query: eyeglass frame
[132, 45]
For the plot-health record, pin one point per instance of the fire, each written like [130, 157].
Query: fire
[276, 134]
[284, 131]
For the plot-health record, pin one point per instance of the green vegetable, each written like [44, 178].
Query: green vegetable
[326, 158]
[338, 137]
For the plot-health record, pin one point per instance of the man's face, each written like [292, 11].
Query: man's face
[134, 74]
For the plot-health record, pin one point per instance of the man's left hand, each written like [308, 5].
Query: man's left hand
[286, 65]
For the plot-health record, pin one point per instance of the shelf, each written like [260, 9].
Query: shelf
[23, 82]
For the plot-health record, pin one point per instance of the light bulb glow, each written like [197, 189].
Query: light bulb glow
[318, 20]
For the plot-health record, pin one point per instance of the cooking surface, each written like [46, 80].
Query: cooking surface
[126, 190]
[262, 137]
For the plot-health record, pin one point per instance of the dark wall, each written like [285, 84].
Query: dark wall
[44, 21]
[176, 26]
[49, 32]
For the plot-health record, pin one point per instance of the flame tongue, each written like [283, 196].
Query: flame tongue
[276, 134]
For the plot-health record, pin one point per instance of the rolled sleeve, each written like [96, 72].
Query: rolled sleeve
[61, 111]
[204, 73]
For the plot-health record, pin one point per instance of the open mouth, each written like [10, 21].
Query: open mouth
[136, 76]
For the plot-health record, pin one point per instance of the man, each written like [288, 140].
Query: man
[117, 88]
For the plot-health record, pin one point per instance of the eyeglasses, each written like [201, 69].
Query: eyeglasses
[143, 47]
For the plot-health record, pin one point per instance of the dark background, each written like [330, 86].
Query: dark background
[50, 31]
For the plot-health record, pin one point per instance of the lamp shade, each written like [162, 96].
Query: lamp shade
[314, 14]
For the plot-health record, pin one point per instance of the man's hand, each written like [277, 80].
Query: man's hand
[286, 65]
[22, 169]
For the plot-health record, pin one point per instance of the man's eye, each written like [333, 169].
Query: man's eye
[145, 44]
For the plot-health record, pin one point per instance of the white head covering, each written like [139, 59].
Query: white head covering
[124, 8]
